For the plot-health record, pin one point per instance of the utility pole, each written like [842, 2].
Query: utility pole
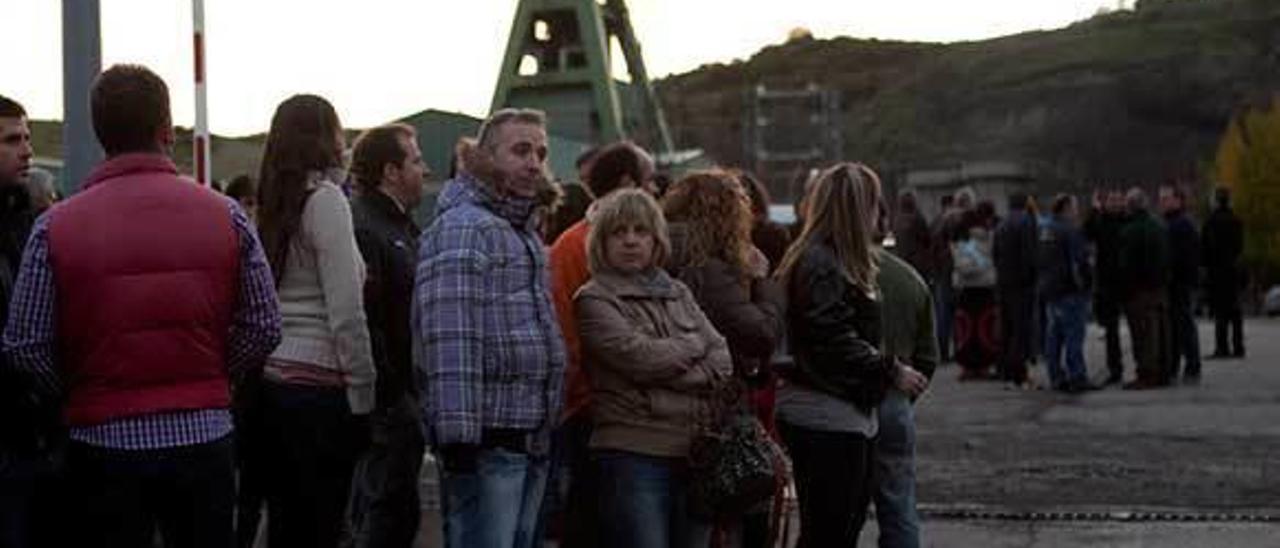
[81, 63]
[200, 144]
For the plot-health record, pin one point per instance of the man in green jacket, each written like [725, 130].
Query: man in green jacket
[1144, 271]
[907, 328]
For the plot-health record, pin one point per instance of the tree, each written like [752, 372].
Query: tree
[1248, 163]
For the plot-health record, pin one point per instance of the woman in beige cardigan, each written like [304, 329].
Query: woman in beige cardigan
[654, 360]
[319, 383]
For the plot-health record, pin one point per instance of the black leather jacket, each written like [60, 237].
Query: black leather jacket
[27, 425]
[388, 241]
[835, 332]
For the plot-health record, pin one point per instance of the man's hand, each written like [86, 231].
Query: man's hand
[910, 381]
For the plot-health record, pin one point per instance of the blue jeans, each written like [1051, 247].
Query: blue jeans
[643, 504]
[498, 505]
[894, 468]
[1068, 317]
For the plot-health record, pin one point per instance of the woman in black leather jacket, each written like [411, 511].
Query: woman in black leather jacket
[826, 409]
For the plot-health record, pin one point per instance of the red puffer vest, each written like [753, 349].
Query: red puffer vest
[146, 266]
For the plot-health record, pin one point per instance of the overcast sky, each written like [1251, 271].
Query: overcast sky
[378, 60]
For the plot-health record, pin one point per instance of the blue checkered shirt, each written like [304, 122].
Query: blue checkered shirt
[487, 341]
[30, 341]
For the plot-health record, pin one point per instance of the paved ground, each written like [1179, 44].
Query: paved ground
[1211, 448]
[1188, 450]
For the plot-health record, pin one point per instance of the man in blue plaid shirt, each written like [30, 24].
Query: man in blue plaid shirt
[136, 302]
[489, 347]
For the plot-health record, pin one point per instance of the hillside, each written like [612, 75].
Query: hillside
[1128, 96]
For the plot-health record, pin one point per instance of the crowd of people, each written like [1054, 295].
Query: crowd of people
[1014, 290]
[183, 365]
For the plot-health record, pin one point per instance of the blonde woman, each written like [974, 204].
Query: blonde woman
[655, 361]
[826, 409]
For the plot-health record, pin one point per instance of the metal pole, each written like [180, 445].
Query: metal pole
[81, 63]
[200, 145]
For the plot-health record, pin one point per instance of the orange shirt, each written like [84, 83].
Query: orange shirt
[569, 272]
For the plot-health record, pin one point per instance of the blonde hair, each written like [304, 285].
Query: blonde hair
[617, 211]
[718, 212]
[842, 213]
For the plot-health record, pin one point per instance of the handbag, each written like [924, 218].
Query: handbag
[734, 464]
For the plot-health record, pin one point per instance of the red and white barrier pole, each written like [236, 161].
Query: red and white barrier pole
[200, 142]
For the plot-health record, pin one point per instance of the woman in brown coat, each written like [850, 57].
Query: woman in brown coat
[656, 360]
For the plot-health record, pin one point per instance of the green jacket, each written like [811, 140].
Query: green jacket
[1143, 254]
[907, 315]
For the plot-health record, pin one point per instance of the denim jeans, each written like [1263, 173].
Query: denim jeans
[1068, 317]
[894, 469]
[120, 498]
[385, 509]
[498, 505]
[643, 502]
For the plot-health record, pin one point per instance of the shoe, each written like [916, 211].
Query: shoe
[1114, 378]
[1080, 387]
[1218, 356]
[1140, 384]
[1191, 380]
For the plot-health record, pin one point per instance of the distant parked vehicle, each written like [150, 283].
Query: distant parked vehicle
[1271, 303]
[784, 215]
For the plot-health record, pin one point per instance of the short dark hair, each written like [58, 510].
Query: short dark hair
[130, 104]
[907, 203]
[586, 157]
[1222, 196]
[1061, 202]
[612, 165]
[240, 187]
[11, 109]
[1177, 191]
[376, 148]
[947, 200]
[1017, 201]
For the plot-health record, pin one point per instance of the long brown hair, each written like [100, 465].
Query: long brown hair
[842, 214]
[717, 210]
[304, 138]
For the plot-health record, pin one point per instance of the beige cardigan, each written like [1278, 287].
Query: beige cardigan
[322, 297]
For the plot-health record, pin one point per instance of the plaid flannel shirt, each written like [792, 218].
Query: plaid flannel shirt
[31, 336]
[488, 344]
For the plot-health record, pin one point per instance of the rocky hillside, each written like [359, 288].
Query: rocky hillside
[1131, 96]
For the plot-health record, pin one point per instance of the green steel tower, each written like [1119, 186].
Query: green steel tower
[559, 60]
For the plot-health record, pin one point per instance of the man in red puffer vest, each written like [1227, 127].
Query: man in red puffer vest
[136, 302]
